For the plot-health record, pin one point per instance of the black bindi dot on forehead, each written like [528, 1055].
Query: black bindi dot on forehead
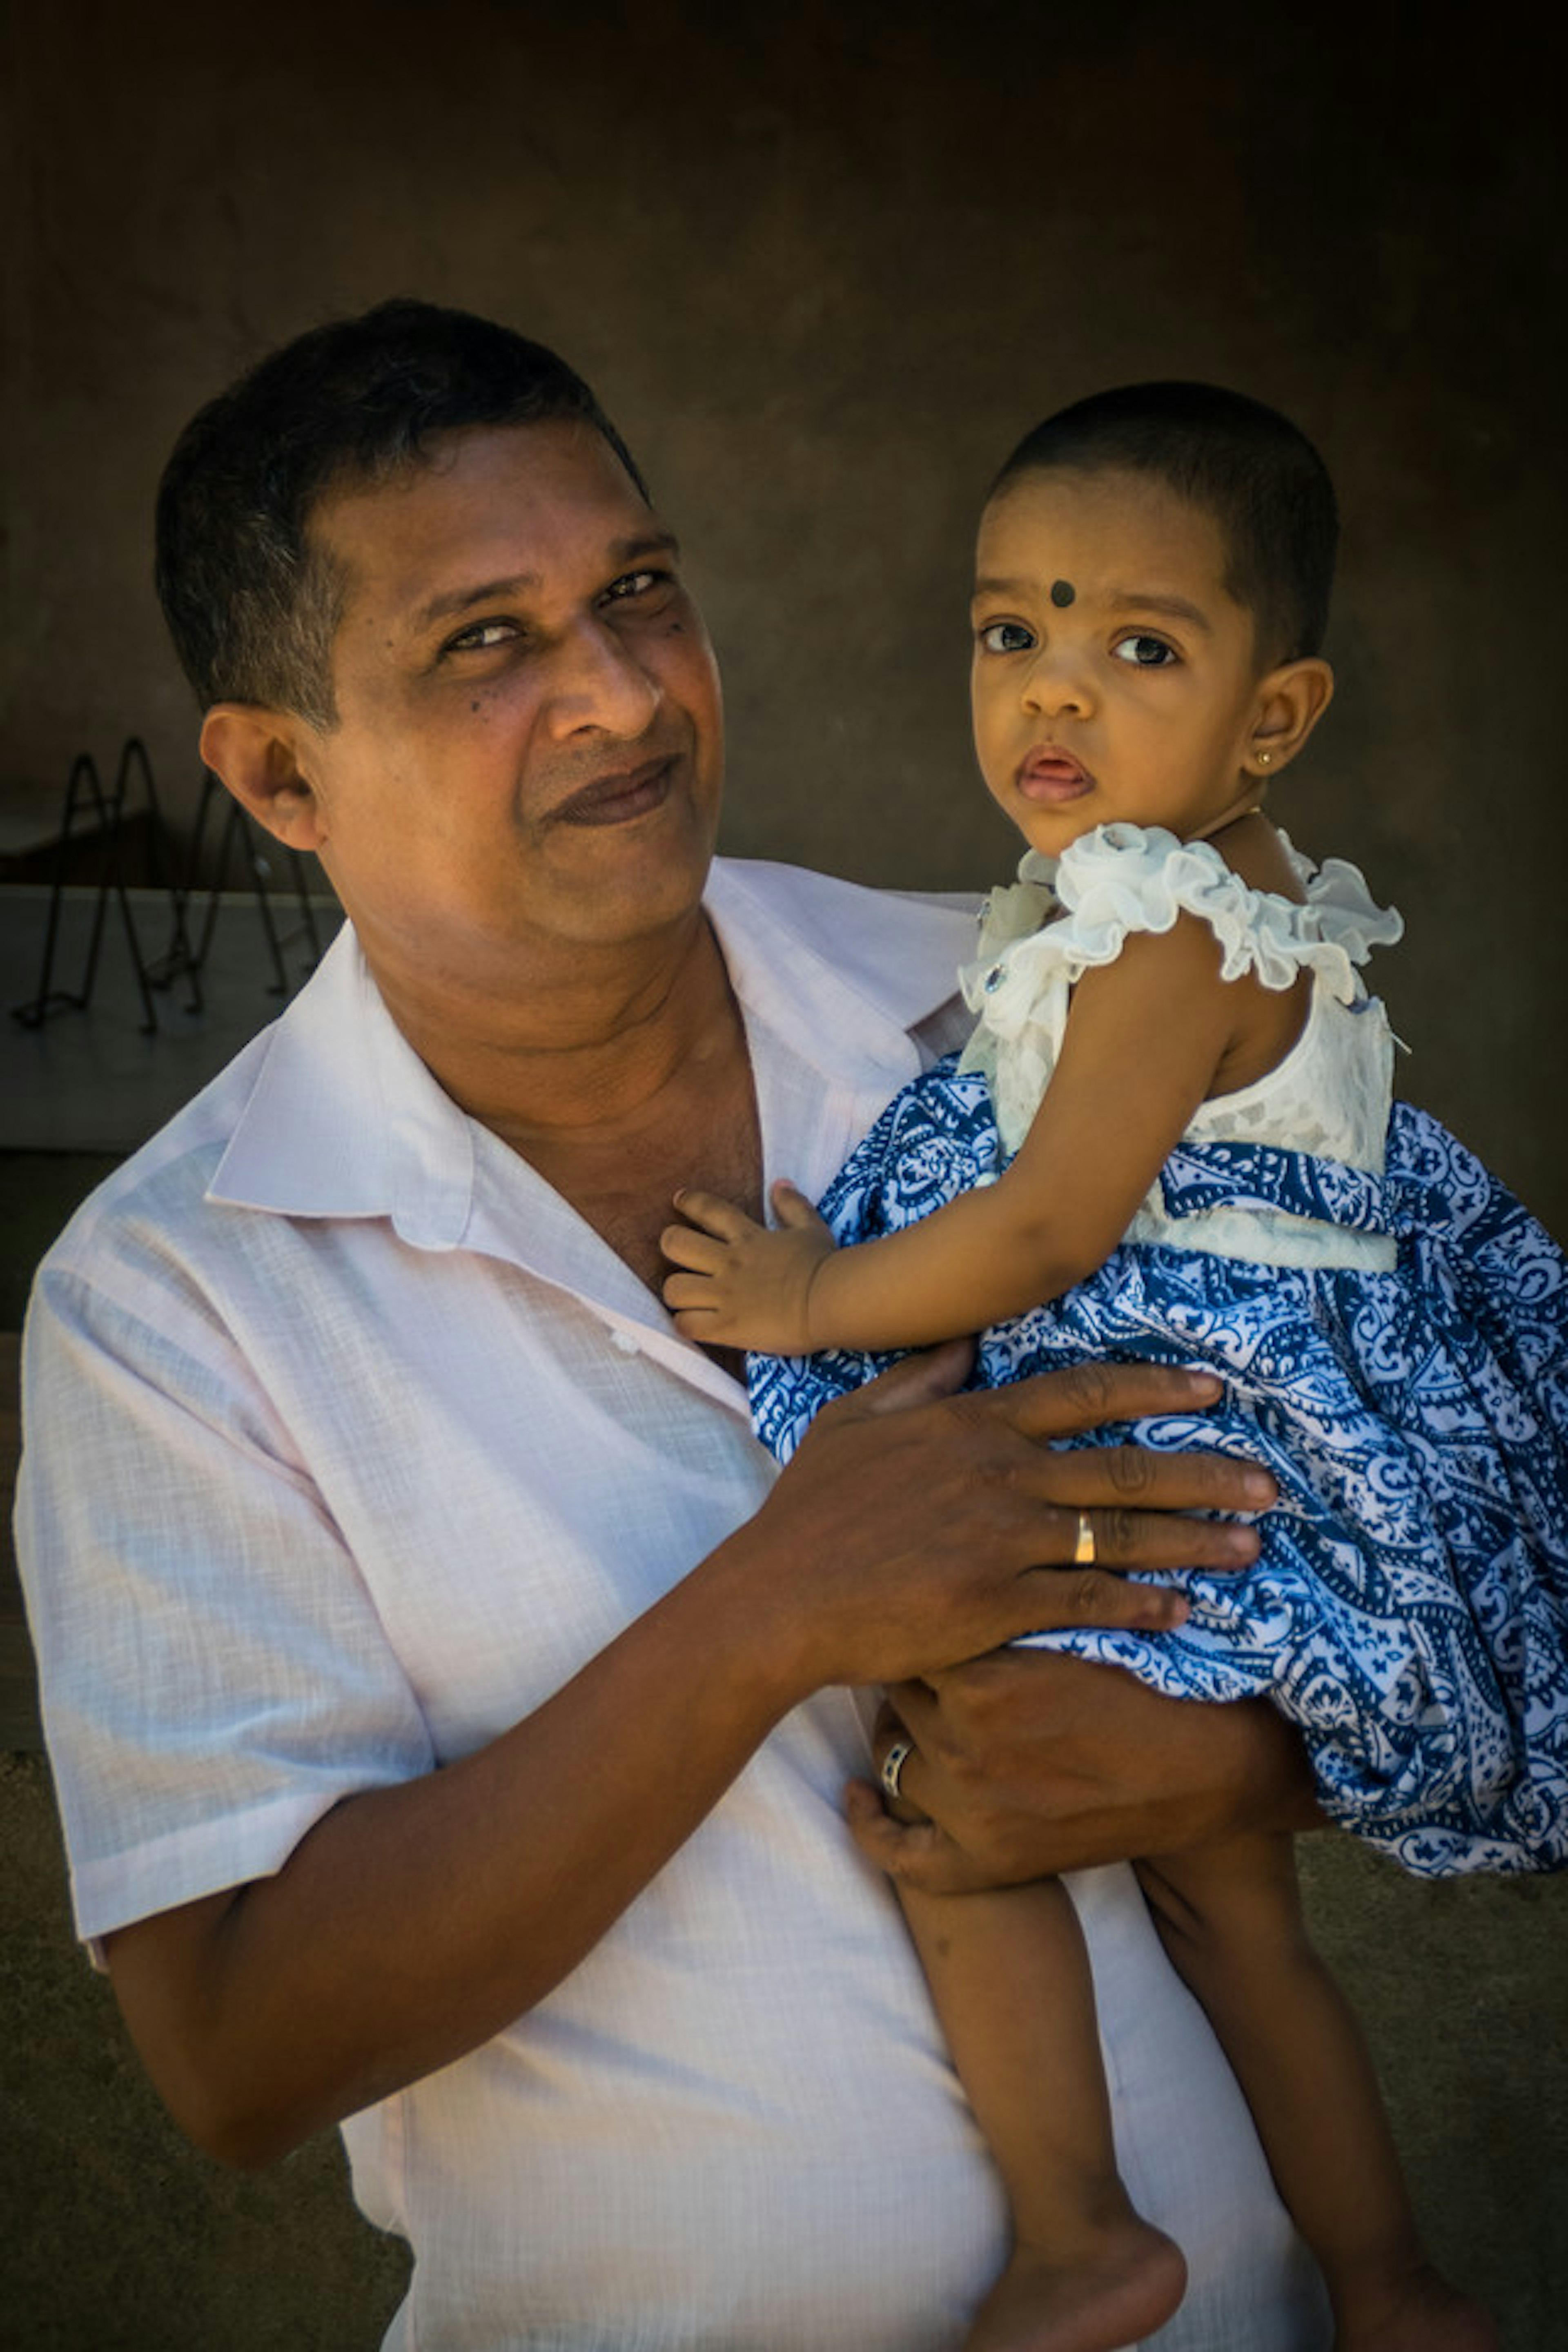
[1062, 591]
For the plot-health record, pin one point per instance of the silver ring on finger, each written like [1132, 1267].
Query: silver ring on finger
[1083, 1551]
[893, 1764]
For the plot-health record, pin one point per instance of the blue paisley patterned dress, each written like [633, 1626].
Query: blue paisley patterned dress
[1391, 1325]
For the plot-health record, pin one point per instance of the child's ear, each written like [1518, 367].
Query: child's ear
[1290, 701]
[256, 752]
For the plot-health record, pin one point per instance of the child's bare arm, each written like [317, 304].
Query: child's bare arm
[1143, 1042]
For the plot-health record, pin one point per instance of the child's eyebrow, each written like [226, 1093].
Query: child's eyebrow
[1174, 608]
[1143, 600]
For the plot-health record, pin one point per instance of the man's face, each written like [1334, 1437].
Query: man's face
[528, 755]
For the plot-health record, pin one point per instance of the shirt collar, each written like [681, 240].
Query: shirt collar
[344, 1120]
[841, 973]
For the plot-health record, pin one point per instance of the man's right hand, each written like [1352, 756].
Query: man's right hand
[918, 1527]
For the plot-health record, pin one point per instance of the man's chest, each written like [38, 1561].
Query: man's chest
[514, 1470]
[623, 1183]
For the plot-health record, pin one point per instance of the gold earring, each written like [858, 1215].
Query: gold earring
[1264, 758]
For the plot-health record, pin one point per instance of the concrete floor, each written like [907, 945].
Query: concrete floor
[117, 2238]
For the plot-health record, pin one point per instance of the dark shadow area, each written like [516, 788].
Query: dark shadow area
[118, 2237]
[38, 1192]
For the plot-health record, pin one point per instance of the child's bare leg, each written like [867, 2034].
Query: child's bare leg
[1010, 1978]
[1230, 1917]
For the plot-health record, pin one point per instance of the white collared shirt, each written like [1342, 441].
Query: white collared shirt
[348, 1441]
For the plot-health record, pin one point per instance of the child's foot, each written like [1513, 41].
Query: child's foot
[1416, 2311]
[1127, 2288]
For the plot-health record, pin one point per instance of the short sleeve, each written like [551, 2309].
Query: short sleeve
[215, 1674]
[1122, 878]
[1067, 916]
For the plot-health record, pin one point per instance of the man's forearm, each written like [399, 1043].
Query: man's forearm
[413, 1923]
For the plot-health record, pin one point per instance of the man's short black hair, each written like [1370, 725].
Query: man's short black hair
[251, 603]
[1244, 464]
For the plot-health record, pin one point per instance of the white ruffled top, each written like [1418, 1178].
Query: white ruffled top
[1328, 1096]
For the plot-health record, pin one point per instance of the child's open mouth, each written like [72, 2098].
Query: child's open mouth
[1048, 774]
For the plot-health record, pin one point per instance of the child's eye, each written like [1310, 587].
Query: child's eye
[1006, 638]
[1140, 652]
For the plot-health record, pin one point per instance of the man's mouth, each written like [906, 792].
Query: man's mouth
[1049, 775]
[617, 798]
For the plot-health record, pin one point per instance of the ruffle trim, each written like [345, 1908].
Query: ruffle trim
[1065, 916]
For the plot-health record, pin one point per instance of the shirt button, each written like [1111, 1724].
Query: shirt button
[624, 1342]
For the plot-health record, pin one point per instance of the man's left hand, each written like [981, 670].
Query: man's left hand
[1029, 1762]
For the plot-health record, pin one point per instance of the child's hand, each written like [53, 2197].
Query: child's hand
[742, 1286]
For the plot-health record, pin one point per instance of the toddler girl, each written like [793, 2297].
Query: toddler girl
[1172, 1126]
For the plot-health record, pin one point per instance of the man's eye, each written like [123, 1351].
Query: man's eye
[480, 637]
[1142, 652]
[1006, 638]
[634, 583]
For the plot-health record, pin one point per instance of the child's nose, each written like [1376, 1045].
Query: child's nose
[1055, 684]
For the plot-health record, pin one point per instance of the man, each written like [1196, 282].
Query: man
[450, 1706]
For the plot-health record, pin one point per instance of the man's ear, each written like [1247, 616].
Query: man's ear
[1290, 701]
[256, 752]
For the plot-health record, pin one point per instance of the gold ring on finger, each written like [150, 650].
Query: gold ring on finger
[1083, 1553]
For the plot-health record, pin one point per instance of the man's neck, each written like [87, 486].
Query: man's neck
[576, 1045]
[631, 1079]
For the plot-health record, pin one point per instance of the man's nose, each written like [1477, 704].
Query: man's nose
[1057, 682]
[598, 683]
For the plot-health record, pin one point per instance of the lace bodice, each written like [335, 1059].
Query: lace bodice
[1328, 1096]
